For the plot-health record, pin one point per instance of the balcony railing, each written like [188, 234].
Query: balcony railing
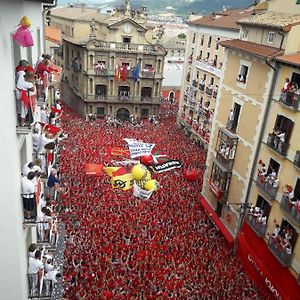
[39, 287]
[148, 74]
[266, 187]
[209, 91]
[76, 65]
[146, 98]
[279, 252]
[275, 144]
[290, 99]
[124, 98]
[100, 97]
[226, 162]
[208, 68]
[259, 228]
[101, 70]
[46, 233]
[297, 159]
[201, 87]
[218, 193]
[291, 209]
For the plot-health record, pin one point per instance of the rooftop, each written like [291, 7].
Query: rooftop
[175, 43]
[252, 48]
[291, 59]
[53, 34]
[226, 19]
[273, 20]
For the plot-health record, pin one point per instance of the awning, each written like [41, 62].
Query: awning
[216, 220]
[264, 268]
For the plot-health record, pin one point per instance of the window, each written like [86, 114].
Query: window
[245, 33]
[100, 110]
[126, 40]
[218, 43]
[144, 113]
[242, 77]
[233, 118]
[212, 80]
[298, 2]
[209, 41]
[202, 40]
[271, 37]
[207, 56]
[194, 38]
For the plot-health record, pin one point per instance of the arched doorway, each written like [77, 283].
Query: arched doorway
[171, 96]
[123, 114]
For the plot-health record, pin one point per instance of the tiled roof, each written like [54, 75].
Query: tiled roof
[53, 34]
[292, 59]
[252, 48]
[273, 20]
[226, 20]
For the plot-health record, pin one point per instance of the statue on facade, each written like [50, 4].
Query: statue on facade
[127, 8]
[93, 28]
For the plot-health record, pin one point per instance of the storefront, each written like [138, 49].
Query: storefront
[217, 222]
[264, 268]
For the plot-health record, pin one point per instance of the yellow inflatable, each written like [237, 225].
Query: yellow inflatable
[139, 172]
[151, 185]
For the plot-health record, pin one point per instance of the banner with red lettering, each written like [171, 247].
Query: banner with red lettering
[264, 268]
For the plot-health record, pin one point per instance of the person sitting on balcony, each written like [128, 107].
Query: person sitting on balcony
[286, 86]
[28, 195]
[35, 267]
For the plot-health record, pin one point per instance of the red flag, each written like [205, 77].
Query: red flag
[123, 73]
[93, 169]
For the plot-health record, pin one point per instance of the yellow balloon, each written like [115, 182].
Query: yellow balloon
[151, 185]
[139, 172]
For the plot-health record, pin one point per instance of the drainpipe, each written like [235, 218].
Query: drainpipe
[244, 205]
[282, 39]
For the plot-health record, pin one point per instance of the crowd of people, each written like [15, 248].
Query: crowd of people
[122, 247]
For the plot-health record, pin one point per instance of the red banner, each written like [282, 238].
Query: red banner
[264, 268]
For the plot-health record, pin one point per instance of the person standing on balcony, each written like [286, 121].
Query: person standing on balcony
[35, 267]
[28, 195]
[281, 138]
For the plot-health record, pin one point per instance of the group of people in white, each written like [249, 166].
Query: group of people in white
[281, 237]
[226, 150]
[269, 178]
[257, 214]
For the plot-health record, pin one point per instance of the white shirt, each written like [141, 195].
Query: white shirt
[22, 84]
[51, 275]
[26, 169]
[34, 265]
[27, 186]
[44, 117]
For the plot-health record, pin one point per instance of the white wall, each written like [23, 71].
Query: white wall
[13, 254]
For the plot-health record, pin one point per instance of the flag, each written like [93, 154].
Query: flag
[93, 169]
[117, 73]
[121, 177]
[159, 158]
[167, 166]
[123, 72]
[136, 71]
[141, 193]
[116, 151]
[138, 148]
[107, 70]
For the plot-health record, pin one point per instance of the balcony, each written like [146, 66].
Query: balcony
[291, 209]
[275, 144]
[39, 287]
[195, 83]
[297, 159]
[279, 252]
[266, 187]
[146, 98]
[100, 97]
[76, 65]
[209, 91]
[148, 73]
[201, 87]
[124, 98]
[225, 161]
[205, 66]
[101, 70]
[259, 228]
[215, 94]
[290, 99]
[218, 193]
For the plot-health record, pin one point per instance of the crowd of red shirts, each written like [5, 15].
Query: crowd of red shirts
[121, 247]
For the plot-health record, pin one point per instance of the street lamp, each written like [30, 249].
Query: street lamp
[241, 217]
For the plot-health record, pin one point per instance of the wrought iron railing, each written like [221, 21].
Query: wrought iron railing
[280, 252]
[290, 99]
[266, 187]
[275, 144]
[259, 228]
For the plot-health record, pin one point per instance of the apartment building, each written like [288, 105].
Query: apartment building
[16, 235]
[203, 70]
[251, 182]
[112, 64]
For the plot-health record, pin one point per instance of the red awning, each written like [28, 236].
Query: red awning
[264, 268]
[216, 220]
